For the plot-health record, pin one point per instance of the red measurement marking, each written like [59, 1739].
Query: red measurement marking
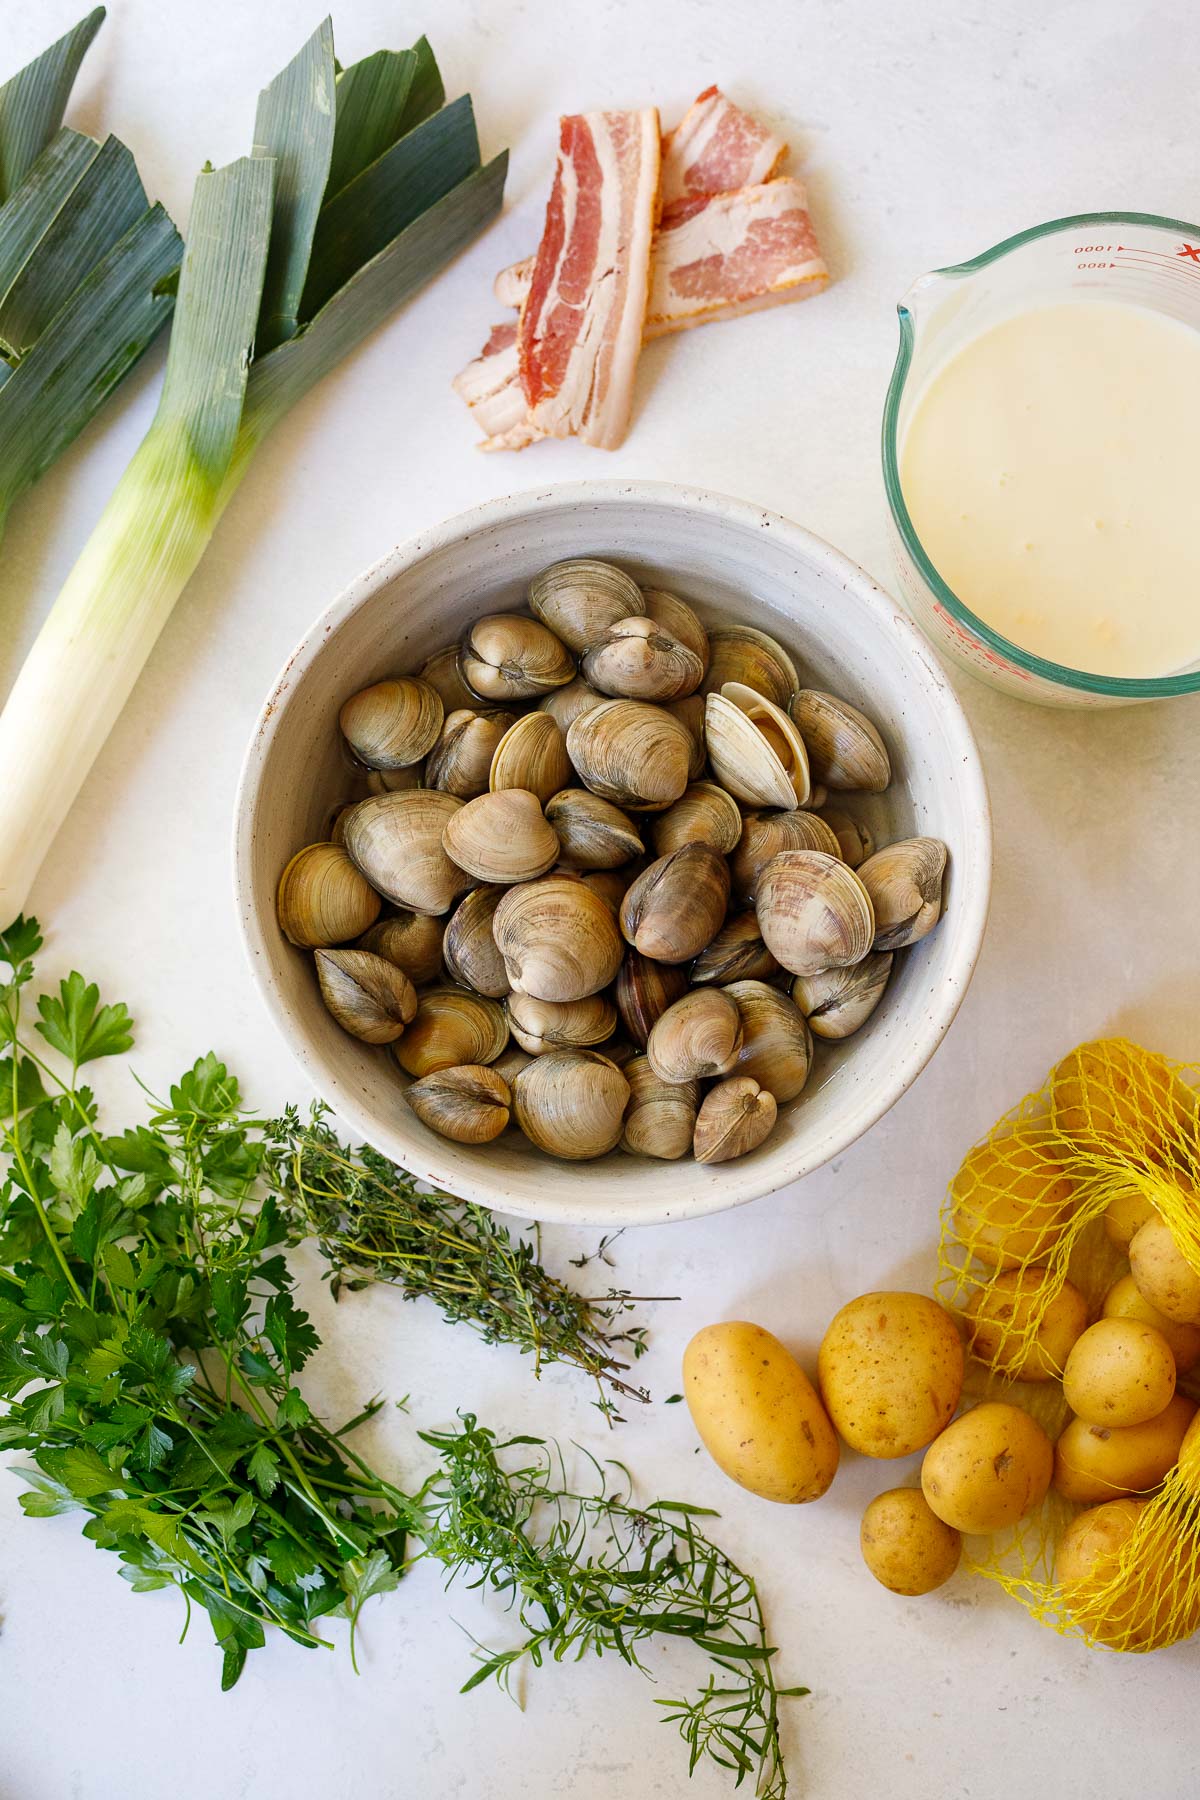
[1190, 250]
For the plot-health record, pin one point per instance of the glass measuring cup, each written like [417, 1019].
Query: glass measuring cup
[1137, 258]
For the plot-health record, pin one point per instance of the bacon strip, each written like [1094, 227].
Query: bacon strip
[735, 253]
[491, 387]
[715, 149]
[580, 330]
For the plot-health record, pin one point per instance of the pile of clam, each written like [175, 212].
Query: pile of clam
[618, 900]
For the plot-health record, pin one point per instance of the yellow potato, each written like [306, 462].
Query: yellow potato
[1150, 1606]
[999, 1314]
[1189, 1458]
[1120, 1372]
[757, 1413]
[988, 1469]
[1125, 1216]
[1111, 1096]
[1011, 1201]
[905, 1545]
[1123, 1301]
[1107, 1462]
[1163, 1274]
[890, 1368]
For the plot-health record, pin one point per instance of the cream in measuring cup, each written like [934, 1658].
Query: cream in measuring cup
[1051, 468]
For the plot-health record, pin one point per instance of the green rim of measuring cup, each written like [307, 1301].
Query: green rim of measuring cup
[1114, 686]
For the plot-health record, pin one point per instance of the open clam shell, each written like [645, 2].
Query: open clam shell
[755, 749]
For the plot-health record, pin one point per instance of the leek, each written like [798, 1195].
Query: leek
[86, 266]
[360, 187]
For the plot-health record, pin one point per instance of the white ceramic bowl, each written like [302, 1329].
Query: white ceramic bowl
[732, 560]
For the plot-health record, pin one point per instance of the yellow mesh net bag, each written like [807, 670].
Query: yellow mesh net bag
[1043, 1211]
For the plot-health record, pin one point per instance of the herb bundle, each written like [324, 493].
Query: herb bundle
[150, 1349]
[372, 1223]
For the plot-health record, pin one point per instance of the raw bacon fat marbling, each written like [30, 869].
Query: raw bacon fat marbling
[580, 329]
[715, 148]
[734, 253]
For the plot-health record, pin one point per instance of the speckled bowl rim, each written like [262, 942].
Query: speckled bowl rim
[741, 1182]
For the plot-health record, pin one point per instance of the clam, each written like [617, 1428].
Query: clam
[755, 750]
[580, 599]
[558, 939]
[776, 1041]
[635, 755]
[661, 1115]
[461, 760]
[592, 833]
[644, 991]
[442, 673]
[844, 748]
[396, 841]
[737, 953]
[507, 657]
[690, 713]
[764, 835]
[677, 619]
[532, 755]
[701, 1035]
[814, 912]
[413, 941]
[703, 814]
[904, 881]
[855, 842]
[392, 724]
[333, 825]
[470, 949]
[677, 905]
[542, 1025]
[501, 837]
[323, 899]
[469, 1104]
[734, 1118]
[642, 661]
[740, 653]
[837, 1001]
[566, 703]
[368, 996]
[619, 1050]
[571, 1103]
[451, 1027]
[394, 781]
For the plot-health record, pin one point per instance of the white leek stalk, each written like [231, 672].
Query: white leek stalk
[303, 283]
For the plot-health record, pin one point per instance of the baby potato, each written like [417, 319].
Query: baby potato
[890, 1369]
[998, 1316]
[1163, 1274]
[758, 1414]
[1120, 1372]
[1123, 1301]
[988, 1469]
[1112, 1095]
[905, 1545]
[1011, 1201]
[1125, 1215]
[1151, 1607]
[1107, 1462]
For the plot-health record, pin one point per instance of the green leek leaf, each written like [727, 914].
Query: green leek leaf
[371, 96]
[85, 352]
[220, 291]
[36, 202]
[428, 91]
[277, 381]
[106, 200]
[294, 125]
[396, 189]
[33, 102]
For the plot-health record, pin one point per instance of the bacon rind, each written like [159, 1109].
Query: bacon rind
[580, 330]
[715, 149]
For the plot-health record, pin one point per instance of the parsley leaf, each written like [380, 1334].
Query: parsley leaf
[78, 1027]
